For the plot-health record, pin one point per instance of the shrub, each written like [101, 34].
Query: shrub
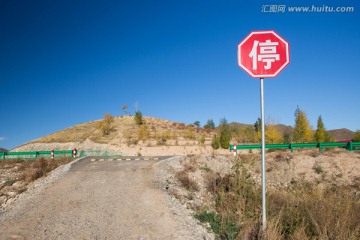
[189, 134]
[215, 143]
[305, 211]
[106, 124]
[186, 181]
[356, 136]
[318, 168]
[138, 118]
[143, 133]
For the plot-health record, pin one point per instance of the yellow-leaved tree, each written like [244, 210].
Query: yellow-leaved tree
[272, 134]
[302, 131]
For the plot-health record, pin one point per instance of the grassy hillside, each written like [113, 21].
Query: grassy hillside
[156, 132]
[124, 130]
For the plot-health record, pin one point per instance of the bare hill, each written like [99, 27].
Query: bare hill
[3, 150]
[155, 137]
[342, 134]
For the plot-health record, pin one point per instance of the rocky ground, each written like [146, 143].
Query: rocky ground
[188, 178]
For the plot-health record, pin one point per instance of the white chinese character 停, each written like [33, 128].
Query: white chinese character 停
[267, 53]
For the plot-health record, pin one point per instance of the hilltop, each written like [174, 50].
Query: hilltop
[155, 137]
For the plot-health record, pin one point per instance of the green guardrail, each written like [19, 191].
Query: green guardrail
[35, 154]
[348, 145]
[57, 154]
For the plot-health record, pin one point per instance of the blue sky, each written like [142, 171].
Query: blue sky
[68, 62]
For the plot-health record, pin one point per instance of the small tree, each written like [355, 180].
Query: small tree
[215, 143]
[197, 124]
[124, 108]
[225, 133]
[209, 124]
[302, 130]
[106, 124]
[272, 135]
[321, 134]
[257, 125]
[138, 118]
[356, 136]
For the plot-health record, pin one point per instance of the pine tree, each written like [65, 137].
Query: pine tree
[257, 125]
[320, 134]
[302, 130]
[210, 124]
[225, 133]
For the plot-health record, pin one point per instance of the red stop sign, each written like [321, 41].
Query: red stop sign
[263, 54]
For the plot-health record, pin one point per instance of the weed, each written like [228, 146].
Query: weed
[314, 153]
[38, 168]
[189, 134]
[143, 133]
[206, 168]
[186, 181]
[283, 157]
[161, 141]
[211, 218]
[318, 169]
[191, 165]
[305, 211]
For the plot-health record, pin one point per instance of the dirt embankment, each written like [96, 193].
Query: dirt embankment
[185, 147]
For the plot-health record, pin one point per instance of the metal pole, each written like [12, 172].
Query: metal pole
[263, 182]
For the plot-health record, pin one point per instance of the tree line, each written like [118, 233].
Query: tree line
[301, 133]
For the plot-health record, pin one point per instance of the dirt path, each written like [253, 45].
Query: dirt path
[98, 200]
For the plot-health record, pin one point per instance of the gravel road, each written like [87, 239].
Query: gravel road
[101, 199]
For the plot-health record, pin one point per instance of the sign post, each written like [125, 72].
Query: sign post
[263, 54]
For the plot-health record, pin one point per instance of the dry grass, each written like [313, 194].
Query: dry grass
[185, 180]
[16, 175]
[125, 129]
[304, 211]
[283, 157]
[183, 176]
[32, 170]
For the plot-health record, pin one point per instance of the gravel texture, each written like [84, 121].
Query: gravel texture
[101, 200]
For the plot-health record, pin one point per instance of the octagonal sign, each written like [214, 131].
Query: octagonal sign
[263, 54]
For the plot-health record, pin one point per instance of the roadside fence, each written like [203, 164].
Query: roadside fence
[348, 145]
